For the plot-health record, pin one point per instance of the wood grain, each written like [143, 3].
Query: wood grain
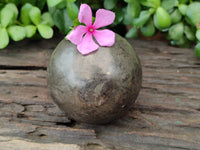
[166, 114]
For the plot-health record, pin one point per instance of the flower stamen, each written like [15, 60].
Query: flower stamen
[91, 29]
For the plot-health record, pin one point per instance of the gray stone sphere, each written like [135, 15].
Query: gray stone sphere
[97, 88]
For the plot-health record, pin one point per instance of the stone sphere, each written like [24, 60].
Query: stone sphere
[96, 88]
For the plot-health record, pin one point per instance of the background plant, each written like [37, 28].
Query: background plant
[179, 20]
[19, 20]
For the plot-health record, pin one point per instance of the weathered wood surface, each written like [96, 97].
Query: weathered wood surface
[166, 114]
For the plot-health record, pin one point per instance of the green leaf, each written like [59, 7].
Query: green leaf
[176, 16]
[4, 39]
[142, 19]
[189, 33]
[150, 3]
[76, 23]
[40, 4]
[61, 5]
[119, 16]
[162, 19]
[169, 4]
[132, 33]
[1, 5]
[61, 19]
[182, 42]
[71, 1]
[45, 31]
[183, 8]
[197, 50]
[72, 10]
[109, 4]
[129, 1]
[47, 19]
[193, 13]
[7, 16]
[32, 2]
[24, 14]
[16, 32]
[127, 17]
[176, 31]
[30, 30]
[188, 21]
[13, 8]
[148, 29]
[35, 15]
[133, 9]
[152, 10]
[198, 34]
[183, 1]
[52, 3]
[16, 2]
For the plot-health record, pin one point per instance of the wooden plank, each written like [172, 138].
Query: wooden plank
[23, 77]
[166, 114]
[27, 54]
[8, 144]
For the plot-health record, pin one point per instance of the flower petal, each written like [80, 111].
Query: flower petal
[87, 45]
[103, 18]
[85, 15]
[76, 35]
[104, 37]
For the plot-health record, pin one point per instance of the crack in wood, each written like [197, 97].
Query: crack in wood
[20, 84]
[72, 123]
[6, 67]
[21, 115]
[146, 108]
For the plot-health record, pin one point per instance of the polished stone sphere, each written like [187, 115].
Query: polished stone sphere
[97, 88]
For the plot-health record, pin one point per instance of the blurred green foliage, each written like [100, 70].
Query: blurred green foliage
[179, 20]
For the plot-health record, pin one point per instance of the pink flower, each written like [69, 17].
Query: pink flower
[82, 36]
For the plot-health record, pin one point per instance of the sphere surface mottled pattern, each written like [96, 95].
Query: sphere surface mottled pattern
[97, 88]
